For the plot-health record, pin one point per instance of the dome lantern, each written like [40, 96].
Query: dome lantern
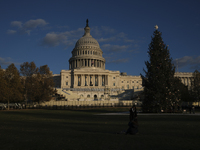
[87, 29]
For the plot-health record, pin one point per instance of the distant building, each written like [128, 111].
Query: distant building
[87, 79]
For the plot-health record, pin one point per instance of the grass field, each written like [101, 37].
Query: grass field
[81, 129]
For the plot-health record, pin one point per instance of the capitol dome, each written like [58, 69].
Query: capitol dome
[87, 53]
[87, 40]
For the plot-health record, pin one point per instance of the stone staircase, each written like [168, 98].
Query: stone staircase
[69, 95]
[126, 95]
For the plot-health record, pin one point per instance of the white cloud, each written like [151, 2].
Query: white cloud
[67, 38]
[188, 61]
[28, 26]
[111, 34]
[53, 39]
[16, 23]
[106, 39]
[114, 48]
[31, 24]
[107, 30]
[122, 60]
[7, 61]
[11, 31]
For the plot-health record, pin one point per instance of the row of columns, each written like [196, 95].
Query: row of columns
[186, 81]
[85, 52]
[86, 63]
[90, 80]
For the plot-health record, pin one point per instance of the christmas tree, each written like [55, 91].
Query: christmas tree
[160, 90]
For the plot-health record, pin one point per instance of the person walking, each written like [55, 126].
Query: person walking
[133, 113]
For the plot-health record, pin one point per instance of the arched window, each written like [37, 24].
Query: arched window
[88, 96]
[95, 96]
[85, 52]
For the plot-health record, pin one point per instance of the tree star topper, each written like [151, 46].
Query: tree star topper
[156, 27]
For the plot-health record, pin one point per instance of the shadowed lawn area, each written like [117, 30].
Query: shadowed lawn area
[81, 129]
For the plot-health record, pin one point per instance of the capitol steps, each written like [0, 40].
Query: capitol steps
[126, 95]
[67, 94]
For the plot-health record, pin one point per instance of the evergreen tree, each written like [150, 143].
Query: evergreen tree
[160, 91]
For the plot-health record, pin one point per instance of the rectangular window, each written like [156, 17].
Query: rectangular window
[113, 84]
[66, 83]
[113, 77]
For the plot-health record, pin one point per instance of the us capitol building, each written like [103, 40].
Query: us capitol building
[88, 80]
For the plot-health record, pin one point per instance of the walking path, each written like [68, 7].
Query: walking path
[151, 114]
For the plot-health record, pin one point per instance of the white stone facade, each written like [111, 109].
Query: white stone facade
[88, 78]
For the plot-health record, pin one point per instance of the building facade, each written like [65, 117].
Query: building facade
[88, 79]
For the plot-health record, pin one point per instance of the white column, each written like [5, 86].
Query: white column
[62, 80]
[88, 79]
[75, 80]
[99, 80]
[82, 80]
[106, 77]
[74, 63]
[93, 80]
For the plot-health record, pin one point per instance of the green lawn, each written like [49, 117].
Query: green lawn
[81, 129]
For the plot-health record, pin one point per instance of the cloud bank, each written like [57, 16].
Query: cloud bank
[7, 61]
[188, 61]
[27, 27]
[67, 38]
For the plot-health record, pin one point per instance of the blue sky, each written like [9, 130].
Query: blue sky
[46, 31]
